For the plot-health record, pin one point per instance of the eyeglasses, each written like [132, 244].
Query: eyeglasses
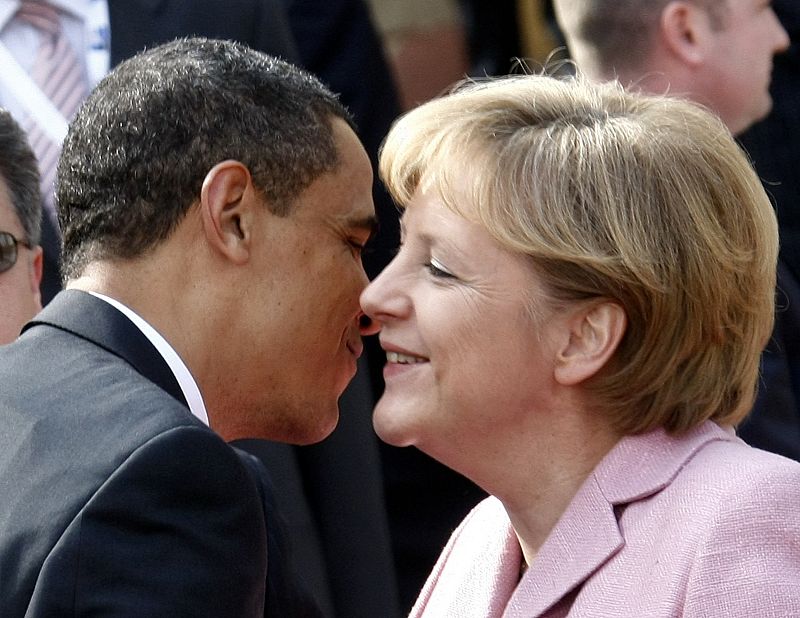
[8, 250]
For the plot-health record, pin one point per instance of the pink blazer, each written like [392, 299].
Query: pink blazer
[698, 525]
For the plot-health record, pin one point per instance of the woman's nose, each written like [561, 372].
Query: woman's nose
[372, 299]
[386, 298]
[367, 325]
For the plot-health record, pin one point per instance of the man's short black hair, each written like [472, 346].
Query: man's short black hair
[137, 152]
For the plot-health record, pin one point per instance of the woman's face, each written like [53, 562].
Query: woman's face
[466, 357]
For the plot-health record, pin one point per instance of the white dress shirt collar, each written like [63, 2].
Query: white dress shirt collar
[185, 380]
[78, 8]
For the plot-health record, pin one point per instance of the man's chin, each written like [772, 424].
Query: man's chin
[300, 424]
[321, 426]
[755, 118]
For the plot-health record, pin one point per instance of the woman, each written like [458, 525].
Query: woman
[574, 322]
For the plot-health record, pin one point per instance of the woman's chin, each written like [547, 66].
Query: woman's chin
[391, 426]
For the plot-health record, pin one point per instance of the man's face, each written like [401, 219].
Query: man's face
[19, 285]
[739, 62]
[308, 311]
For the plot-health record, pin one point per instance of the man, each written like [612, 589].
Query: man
[105, 32]
[774, 143]
[214, 202]
[20, 212]
[719, 53]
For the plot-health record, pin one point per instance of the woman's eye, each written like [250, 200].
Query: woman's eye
[436, 269]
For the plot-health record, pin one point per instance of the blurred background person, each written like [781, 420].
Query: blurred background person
[774, 143]
[20, 211]
[426, 45]
[774, 146]
[719, 53]
[501, 34]
[574, 321]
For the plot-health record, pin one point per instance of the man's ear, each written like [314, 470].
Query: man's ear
[227, 202]
[595, 331]
[35, 273]
[684, 28]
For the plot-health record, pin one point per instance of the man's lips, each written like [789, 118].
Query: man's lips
[356, 347]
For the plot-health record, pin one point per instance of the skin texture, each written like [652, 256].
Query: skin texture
[19, 286]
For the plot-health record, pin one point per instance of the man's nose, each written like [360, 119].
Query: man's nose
[783, 40]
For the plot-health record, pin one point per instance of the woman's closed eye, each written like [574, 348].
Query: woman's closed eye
[438, 270]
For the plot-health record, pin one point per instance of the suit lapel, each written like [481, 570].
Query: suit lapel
[96, 321]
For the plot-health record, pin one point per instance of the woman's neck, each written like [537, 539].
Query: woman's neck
[540, 487]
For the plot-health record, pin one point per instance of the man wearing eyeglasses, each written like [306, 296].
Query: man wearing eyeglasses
[20, 214]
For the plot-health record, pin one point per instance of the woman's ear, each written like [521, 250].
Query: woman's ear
[595, 331]
[227, 200]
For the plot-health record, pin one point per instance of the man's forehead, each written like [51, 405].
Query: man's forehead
[364, 220]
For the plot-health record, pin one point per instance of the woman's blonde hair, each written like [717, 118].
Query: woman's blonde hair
[646, 201]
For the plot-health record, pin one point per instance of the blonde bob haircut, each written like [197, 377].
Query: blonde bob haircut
[639, 200]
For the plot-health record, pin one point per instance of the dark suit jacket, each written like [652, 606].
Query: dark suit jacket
[774, 423]
[114, 499]
[137, 24]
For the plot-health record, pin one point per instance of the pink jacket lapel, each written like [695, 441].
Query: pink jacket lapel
[476, 575]
[588, 534]
[640, 466]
